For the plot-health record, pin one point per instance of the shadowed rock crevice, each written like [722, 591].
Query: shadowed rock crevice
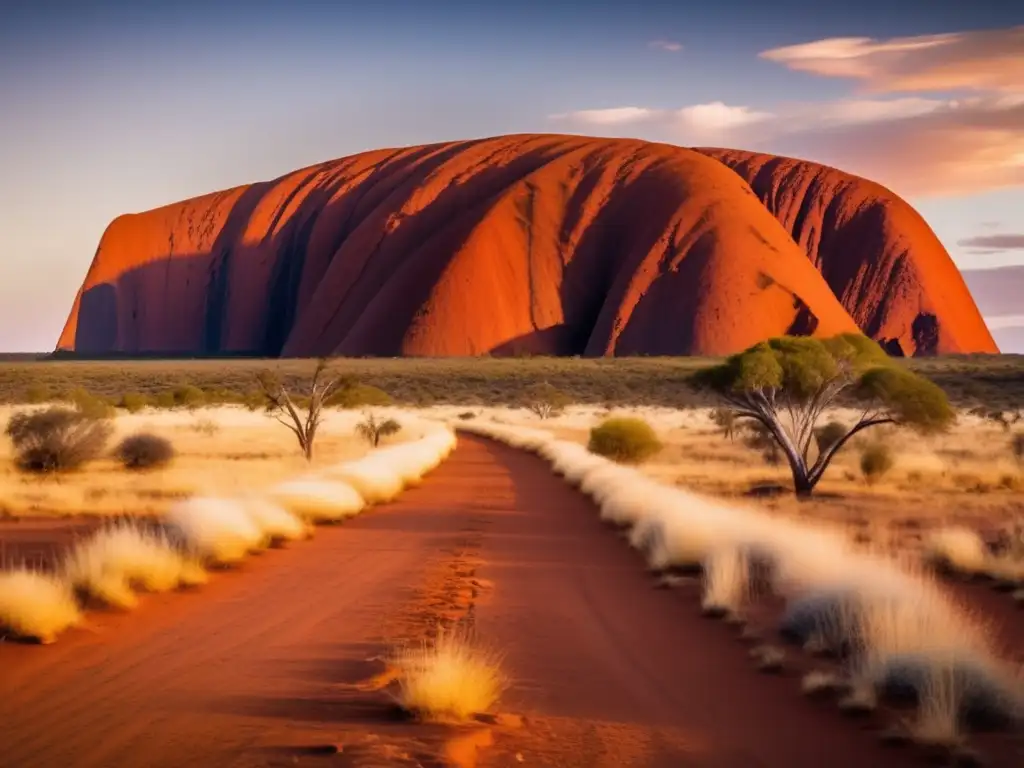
[528, 243]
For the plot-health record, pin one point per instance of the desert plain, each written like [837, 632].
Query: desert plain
[508, 572]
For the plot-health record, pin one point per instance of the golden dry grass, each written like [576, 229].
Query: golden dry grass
[449, 678]
[35, 605]
[222, 451]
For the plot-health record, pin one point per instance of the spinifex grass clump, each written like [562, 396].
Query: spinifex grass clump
[448, 679]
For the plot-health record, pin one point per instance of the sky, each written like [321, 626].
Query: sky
[121, 106]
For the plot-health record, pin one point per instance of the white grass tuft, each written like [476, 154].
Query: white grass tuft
[896, 627]
[956, 548]
[276, 522]
[448, 679]
[117, 559]
[318, 501]
[219, 530]
[727, 581]
[36, 606]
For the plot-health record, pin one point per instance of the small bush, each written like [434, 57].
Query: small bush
[355, 395]
[133, 402]
[626, 440]
[828, 435]
[760, 438]
[545, 400]
[188, 396]
[372, 430]
[89, 404]
[254, 399]
[875, 461]
[164, 399]
[1017, 447]
[39, 393]
[725, 419]
[206, 426]
[57, 439]
[467, 415]
[144, 451]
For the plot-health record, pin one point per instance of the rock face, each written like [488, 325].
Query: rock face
[529, 243]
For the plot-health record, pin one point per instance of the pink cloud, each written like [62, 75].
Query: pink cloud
[986, 60]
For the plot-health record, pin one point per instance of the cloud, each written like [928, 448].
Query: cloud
[717, 116]
[666, 45]
[612, 116]
[993, 243]
[996, 322]
[917, 146]
[985, 60]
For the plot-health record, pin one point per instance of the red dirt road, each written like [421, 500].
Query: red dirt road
[250, 669]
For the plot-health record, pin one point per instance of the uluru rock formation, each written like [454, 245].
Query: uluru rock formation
[547, 244]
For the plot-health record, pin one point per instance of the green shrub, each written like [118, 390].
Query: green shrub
[875, 461]
[89, 404]
[355, 395]
[57, 439]
[254, 399]
[144, 451]
[188, 396]
[164, 399]
[133, 402]
[626, 440]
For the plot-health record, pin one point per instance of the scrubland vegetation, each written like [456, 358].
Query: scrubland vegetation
[841, 482]
[58, 447]
[895, 630]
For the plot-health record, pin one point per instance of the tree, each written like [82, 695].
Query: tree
[372, 430]
[285, 409]
[545, 400]
[787, 384]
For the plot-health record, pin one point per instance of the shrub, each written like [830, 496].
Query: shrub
[725, 419]
[352, 394]
[372, 430]
[829, 434]
[206, 426]
[626, 440]
[875, 461]
[760, 438]
[38, 393]
[467, 415]
[545, 400]
[89, 404]
[133, 402]
[1017, 447]
[164, 399]
[57, 439]
[188, 396]
[254, 399]
[144, 451]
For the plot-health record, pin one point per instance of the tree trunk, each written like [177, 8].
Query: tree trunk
[802, 484]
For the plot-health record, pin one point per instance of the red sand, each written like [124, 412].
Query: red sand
[248, 671]
[548, 244]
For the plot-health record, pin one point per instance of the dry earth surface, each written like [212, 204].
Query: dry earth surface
[269, 666]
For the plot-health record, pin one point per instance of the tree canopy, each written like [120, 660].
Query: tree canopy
[788, 383]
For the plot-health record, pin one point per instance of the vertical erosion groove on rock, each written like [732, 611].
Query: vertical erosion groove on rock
[545, 244]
